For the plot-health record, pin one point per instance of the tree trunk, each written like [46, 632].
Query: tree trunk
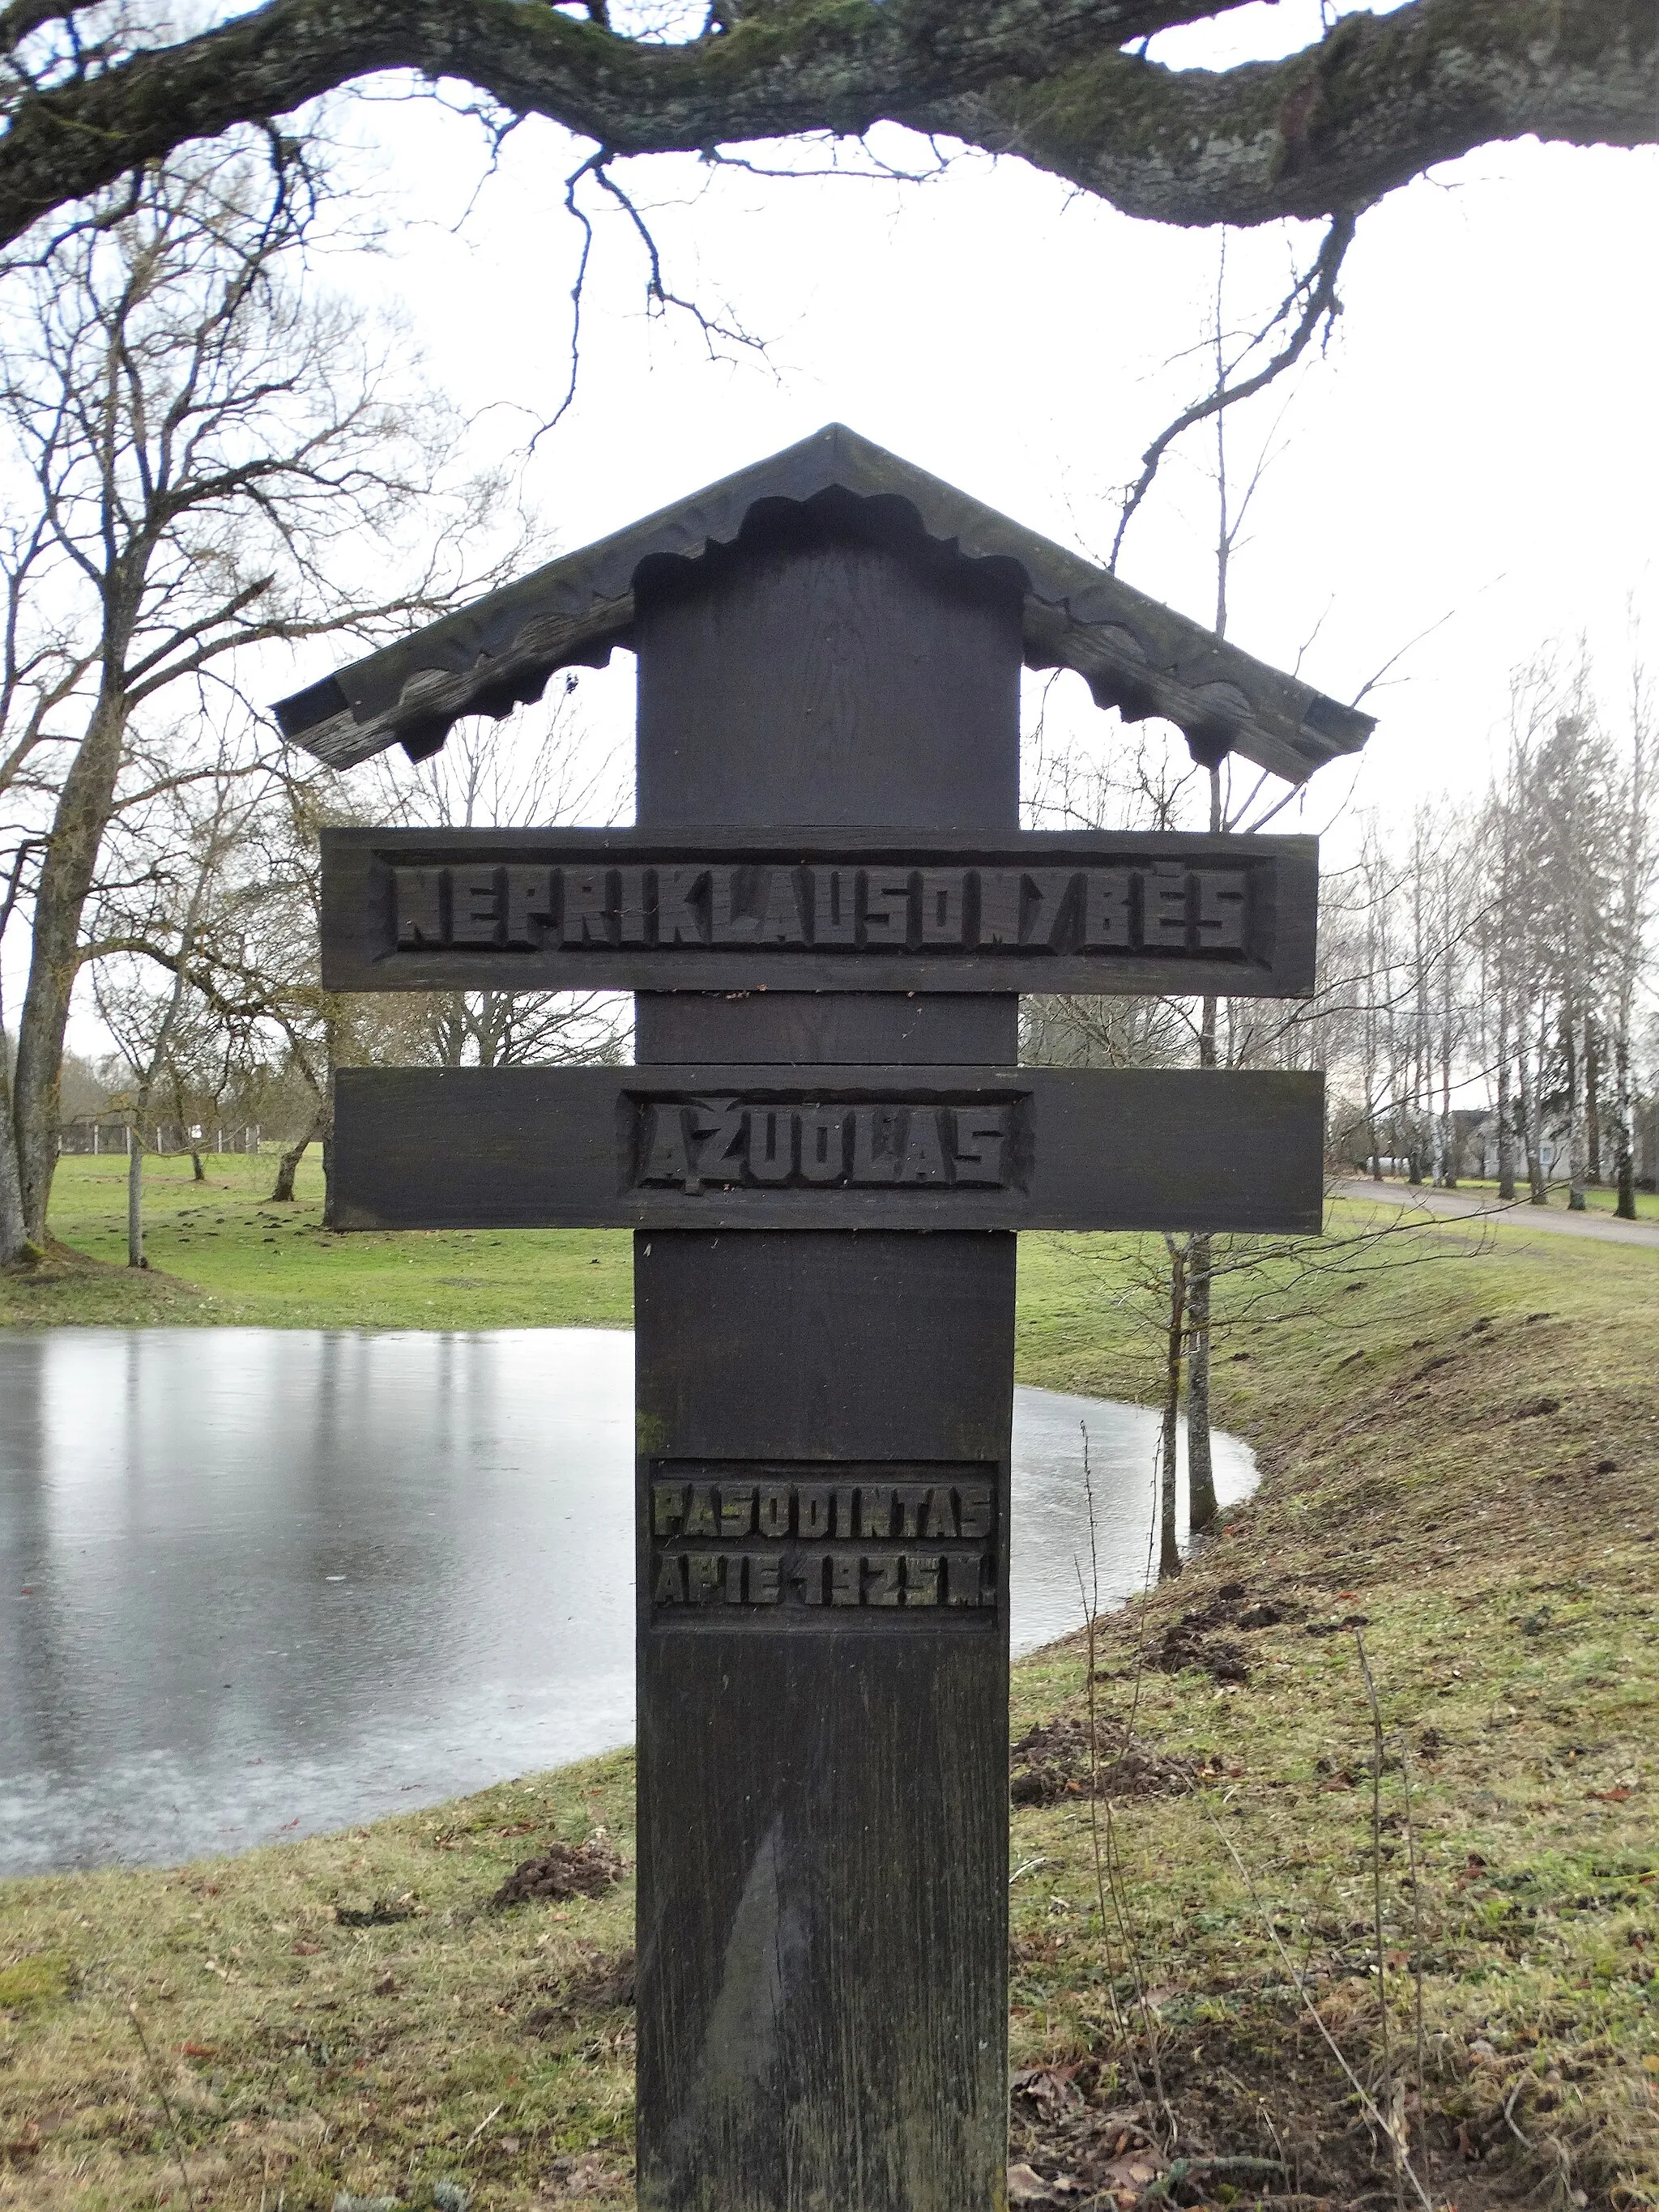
[1624, 1135]
[198, 1172]
[136, 1193]
[1593, 1096]
[1505, 1105]
[1578, 1156]
[1531, 1122]
[15, 1244]
[78, 827]
[288, 1168]
[1202, 1509]
[1168, 1556]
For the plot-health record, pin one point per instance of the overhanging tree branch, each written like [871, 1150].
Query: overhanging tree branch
[1331, 128]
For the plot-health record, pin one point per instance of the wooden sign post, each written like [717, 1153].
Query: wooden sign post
[827, 911]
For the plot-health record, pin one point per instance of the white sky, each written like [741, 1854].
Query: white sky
[1476, 458]
[1479, 451]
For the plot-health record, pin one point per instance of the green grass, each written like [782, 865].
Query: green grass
[220, 1253]
[1459, 1438]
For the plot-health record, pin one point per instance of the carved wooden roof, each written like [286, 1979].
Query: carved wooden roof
[1137, 655]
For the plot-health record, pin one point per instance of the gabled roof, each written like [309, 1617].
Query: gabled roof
[1137, 655]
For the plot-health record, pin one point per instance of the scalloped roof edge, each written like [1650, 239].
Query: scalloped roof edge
[1136, 654]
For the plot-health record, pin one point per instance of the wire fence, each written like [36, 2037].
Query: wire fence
[97, 1134]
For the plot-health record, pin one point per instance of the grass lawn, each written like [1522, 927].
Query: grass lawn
[220, 1253]
[1459, 1436]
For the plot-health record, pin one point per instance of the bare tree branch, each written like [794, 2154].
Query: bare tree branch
[1328, 131]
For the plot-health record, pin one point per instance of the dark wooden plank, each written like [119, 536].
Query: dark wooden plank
[845, 1789]
[720, 910]
[831, 1147]
[822, 1807]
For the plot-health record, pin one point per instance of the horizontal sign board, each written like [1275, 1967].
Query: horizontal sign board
[838, 1147]
[570, 909]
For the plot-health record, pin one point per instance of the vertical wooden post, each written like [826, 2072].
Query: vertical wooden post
[823, 1829]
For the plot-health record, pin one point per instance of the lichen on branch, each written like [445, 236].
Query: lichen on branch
[1063, 83]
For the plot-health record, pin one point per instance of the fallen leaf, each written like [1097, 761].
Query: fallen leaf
[1026, 2186]
[307, 1950]
[197, 2051]
[1618, 1796]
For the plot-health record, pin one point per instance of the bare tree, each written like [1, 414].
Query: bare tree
[215, 463]
[149, 1026]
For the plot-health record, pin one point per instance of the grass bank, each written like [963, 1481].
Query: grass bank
[1460, 1444]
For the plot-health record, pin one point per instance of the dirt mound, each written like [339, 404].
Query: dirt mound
[562, 1870]
[1051, 1762]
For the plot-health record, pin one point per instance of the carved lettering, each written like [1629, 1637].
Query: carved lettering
[962, 1580]
[875, 1153]
[732, 1544]
[721, 1125]
[667, 1507]
[475, 906]
[921, 1577]
[1168, 920]
[586, 907]
[1000, 896]
[780, 921]
[834, 906]
[419, 895]
[812, 1512]
[886, 909]
[806, 1575]
[1162, 908]
[531, 905]
[924, 1155]
[681, 909]
[942, 901]
[1108, 911]
[1221, 909]
[881, 1582]
[737, 1512]
[911, 1499]
[666, 1155]
[771, 1143]
[822, 1143]
[982, 1150]
[975, 1502]
[730, 923]
[1046, 900]
[941, 1519]
[875, 1509]
[633, 907]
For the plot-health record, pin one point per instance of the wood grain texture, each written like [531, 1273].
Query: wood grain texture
[421, 909]
[823, 1930]
[1086, 1148]
[823, 1820]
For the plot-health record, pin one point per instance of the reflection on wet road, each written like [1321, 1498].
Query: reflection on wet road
[264, 1582]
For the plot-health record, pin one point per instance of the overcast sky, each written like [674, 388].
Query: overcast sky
[1471, 470]
[1477, 457]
